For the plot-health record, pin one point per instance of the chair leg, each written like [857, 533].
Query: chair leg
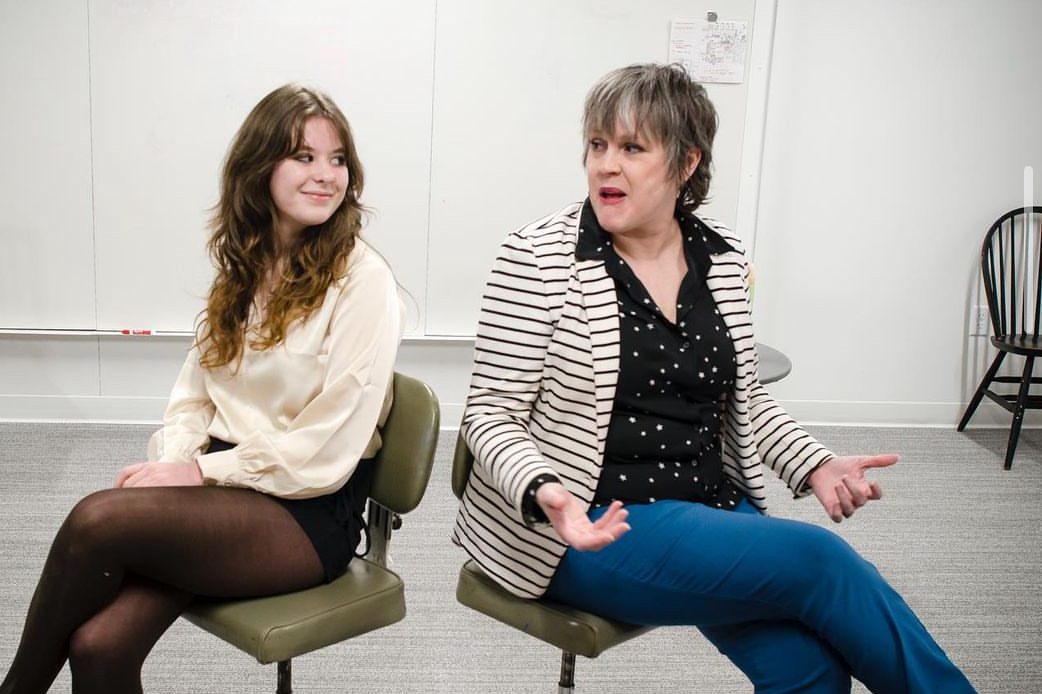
[284, 684]
[981, 389]
[566, 685]
[1018, 412]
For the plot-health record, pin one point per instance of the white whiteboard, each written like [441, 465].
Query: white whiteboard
[171, 83]
[46, 244]
[466, 115]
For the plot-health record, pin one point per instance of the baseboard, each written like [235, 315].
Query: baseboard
[81, 408]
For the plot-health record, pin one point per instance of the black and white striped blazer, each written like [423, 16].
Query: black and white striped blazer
[546, 365]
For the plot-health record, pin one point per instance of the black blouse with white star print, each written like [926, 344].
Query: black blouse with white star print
[664, 440]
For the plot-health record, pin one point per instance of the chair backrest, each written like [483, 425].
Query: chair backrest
[462, 461]
[410, 437]
[1011, 265]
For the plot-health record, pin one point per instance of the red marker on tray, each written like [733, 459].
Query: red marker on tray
[128, 331]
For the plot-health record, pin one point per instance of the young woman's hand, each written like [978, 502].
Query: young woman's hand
[840, 483]
[571, 522]
[160, 475]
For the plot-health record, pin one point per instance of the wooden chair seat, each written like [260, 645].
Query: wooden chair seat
[1024, 345]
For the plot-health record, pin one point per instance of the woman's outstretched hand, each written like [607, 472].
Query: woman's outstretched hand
[571, 523]
[160, 475]
[840, 483]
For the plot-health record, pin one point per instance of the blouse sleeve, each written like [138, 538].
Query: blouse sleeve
[321, 446]
[188, 415]
[514, 329]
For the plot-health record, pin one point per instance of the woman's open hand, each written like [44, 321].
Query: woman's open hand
[153, 474]
[571, 522]
[840, 483]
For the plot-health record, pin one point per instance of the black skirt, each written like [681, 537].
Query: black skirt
[334, 522]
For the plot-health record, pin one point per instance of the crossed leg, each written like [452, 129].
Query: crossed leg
[781, 656]
[765, 591]
[126, 562]
[107, 651]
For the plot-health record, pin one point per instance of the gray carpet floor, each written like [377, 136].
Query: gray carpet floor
[959, 537]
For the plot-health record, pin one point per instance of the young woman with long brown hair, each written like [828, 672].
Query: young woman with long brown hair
[256, 482]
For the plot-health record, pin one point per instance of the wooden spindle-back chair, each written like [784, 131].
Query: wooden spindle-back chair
[1011, 266]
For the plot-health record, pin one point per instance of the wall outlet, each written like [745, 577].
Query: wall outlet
[980, 321]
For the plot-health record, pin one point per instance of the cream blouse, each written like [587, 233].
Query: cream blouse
[305, 412]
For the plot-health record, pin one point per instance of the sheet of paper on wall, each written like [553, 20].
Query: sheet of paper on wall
[711, 51]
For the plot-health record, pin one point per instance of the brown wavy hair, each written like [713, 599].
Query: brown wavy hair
[661, 102]
[243, 243]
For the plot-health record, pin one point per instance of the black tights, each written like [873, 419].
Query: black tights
[126, 563]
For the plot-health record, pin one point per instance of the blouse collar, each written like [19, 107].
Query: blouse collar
[699, 239]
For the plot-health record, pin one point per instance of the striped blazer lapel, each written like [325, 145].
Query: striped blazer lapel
[600, 303]
[727, 284]
[602, 320]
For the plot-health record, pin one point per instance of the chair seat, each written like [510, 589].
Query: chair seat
[281, 627]
[567, 628]
[1019, 344]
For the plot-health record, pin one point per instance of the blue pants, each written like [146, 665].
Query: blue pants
[791, 604]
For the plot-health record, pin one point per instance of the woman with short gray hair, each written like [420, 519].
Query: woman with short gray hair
[618, 425]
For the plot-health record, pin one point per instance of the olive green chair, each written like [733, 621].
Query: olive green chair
[369, 596]
[573, 631]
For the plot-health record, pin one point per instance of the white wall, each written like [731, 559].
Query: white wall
[896, 131]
